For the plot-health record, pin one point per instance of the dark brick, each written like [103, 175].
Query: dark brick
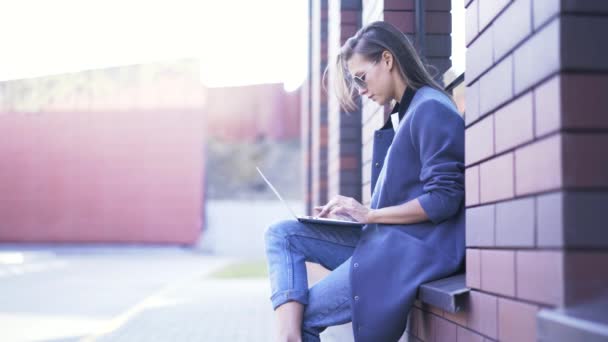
[438, 22]
[404, 21]
[585, 160]
[515, 223]
[544, 10]
[396, 5]
[584, 278]
[585, 103]
[580, 48]
[480, 226]
[438, 45]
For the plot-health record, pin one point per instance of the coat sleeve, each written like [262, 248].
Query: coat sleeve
[437, 133]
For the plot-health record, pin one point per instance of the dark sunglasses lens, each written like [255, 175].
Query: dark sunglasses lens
[359, 83]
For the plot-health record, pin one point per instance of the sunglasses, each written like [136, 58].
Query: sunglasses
[359, 81]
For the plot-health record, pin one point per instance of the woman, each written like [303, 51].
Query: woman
[414, 230]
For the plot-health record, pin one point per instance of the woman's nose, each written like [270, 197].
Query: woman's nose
[362, 91]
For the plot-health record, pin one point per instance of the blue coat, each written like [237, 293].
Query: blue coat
[424, 159]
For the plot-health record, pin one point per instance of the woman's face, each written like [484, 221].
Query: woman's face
[376, 76]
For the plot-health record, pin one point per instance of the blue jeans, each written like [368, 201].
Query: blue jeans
[288, 245]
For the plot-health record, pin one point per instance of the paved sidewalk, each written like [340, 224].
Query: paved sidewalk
[131, 293]
[200, 310]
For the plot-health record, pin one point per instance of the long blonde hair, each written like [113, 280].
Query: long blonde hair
[370, 42]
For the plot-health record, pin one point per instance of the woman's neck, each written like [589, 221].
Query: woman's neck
[400, 87]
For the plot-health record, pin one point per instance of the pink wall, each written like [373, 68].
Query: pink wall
[117, 176]
[246, 112]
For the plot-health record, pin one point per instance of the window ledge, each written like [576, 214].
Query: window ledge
[449, 294]
[584, 322]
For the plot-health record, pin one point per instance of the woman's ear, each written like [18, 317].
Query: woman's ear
[387, 58]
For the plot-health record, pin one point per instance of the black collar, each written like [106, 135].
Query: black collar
[401, 106]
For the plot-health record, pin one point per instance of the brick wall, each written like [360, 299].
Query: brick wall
[536, 173]
[318, 109]
[534, 169]
[344, 135]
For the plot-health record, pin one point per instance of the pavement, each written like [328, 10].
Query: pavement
[127, 293]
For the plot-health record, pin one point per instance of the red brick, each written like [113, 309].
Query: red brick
[458, 317]
[496, 178]
[483, 310]
[515, 223]
[540, 276]
[514, 123]
[403, 20]
[438, 22]
[516, 321]
[538, 167]
[392, 5]
[479, 141]
[480, 227]
[488, 10]
[473, 274]
[548, 106]
[496, 86]
[465, 335]
[585, 160]
[584, 100]
[472, 103]
[538, 57]
[471, 21]
[472, 185]
[444, 329]
[350, 17]
[584, 278]
[479, 56]
[511, 27]
[498, 272]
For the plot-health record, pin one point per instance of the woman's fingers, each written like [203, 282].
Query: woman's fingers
[328, 207]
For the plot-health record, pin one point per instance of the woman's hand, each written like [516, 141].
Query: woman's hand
[341, 206]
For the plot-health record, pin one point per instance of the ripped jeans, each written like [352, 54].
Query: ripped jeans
[288, 245]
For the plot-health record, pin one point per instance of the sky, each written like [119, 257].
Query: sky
[239, 42]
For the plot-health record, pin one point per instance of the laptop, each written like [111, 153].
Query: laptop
[309, 219]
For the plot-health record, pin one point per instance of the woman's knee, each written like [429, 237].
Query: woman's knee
[278, 232]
